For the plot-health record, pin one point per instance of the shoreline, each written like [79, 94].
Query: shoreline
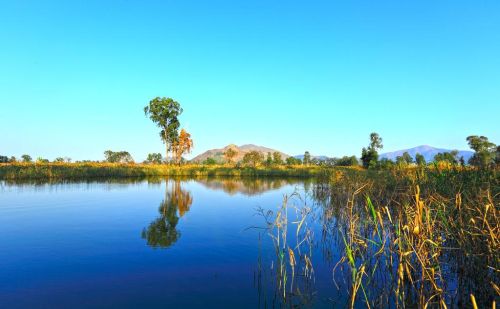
[22, 171]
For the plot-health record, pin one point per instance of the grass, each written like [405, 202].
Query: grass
[410, 238]
[88, 170]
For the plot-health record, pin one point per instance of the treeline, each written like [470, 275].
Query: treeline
[486, 155]
[165, 112]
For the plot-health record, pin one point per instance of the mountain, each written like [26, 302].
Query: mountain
[320, 158]
[218, 154]
[427, 151]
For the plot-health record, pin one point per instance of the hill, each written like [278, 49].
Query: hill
[218, 154]
[320, 158]
[427, 151]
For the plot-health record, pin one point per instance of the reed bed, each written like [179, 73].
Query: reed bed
[88, 170]
[409, 238]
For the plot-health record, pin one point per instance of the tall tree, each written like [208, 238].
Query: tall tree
[293, 161]
[165, 113]
[277, 159]
[253, 158]
[229, 154]
[118, 157]
[369, 155]
[154, 158]
[484, 151]
[181, 145]
[269, 159]
[26, 158]
[450, 157]
[307, 158]
[420, 159]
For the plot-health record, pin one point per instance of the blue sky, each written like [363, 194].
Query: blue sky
[295, 76]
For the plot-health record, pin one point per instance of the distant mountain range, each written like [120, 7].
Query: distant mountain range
[320, 158]
[218, 154]
[427, 151]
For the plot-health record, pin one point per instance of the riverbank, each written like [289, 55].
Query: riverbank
[18, 171]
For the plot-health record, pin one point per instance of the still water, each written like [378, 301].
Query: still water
[167, 243]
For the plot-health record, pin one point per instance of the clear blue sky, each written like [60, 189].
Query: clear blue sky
[296, 76]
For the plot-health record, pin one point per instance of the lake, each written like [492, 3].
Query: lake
[189, 243]
[168, 243]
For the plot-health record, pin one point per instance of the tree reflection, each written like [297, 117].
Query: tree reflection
[163, 232]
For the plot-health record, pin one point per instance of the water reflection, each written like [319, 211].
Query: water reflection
[163, 232]
[247, 186]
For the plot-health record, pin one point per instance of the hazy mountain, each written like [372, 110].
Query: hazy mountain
[427, 151]
[218, 154]
[320, 158]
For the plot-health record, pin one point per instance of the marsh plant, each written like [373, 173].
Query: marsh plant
[420, 238]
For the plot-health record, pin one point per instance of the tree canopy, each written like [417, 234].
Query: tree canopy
[165, 113]
[484, 151]
[369, 155]
[118, 157]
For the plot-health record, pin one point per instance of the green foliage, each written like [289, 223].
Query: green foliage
[154, 158]
[229, 154]
[59, 160]
[269, 159]
[165, 113]
[26, 158]
[346, 161]
[369, 155]
[307, 158]
[253, 158]
[209, 161]
[450, 157]
[485, 151]
[404, 160]
[41, 160]
[4, 159]
[420, 159]
[277, 159]
[293, 161]
[497, 157]
[386, 164]
[118, 157]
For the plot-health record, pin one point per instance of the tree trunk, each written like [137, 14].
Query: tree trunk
[166, 145]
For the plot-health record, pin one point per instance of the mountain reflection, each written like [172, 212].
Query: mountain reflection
[246, 186]
[163, 232]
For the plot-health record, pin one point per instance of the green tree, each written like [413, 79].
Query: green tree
[386, 164]
[420, 159]
[346, 161]
[41, 160]
[484, 151]
[293, 161]
[407, 158]
[229, 154]
[277, 159]
[165, 113]
[154, 158]
[209, 161]
[497, 157]
[59, 160]
[269, 159]
[163, 232]
[307, 158]
[4, 159]
[118, 157]
[253, 158]
[26, 158]
[450, 157]
[369, 155]
[13, 159]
